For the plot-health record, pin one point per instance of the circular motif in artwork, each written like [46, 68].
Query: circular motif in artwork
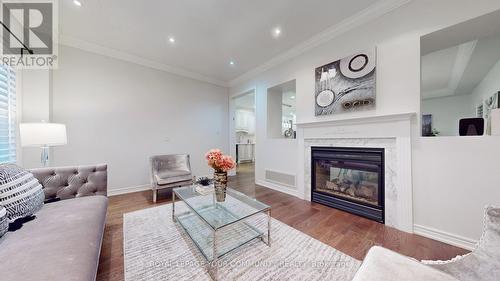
[325, 98]
[358, 65]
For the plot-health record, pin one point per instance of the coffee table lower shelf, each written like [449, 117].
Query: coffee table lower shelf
[227, 238]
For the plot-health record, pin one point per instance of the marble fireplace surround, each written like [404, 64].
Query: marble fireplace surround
[391, 132]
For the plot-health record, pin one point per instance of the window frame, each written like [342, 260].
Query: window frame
[10, 76]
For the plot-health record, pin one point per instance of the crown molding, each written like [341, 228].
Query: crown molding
[371, 13]
[113, 53]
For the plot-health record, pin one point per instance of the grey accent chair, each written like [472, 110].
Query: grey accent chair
[169, 171]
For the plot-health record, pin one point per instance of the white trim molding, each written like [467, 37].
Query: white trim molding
[373, 12]
[126, 190]
[116, 54]
[445, 237]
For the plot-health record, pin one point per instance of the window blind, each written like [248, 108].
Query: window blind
[7, 114]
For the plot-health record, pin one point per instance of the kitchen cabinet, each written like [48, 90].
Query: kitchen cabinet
[245, 152]
[245, 121]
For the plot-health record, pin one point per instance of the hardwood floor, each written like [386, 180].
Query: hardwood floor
[348, 233]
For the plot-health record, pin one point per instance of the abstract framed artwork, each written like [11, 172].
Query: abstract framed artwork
[346, 85]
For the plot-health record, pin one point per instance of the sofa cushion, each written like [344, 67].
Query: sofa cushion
[62, 243]
[173, 176]
[20, 192]
[4, 222]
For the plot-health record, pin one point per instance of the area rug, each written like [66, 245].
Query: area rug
[156, 248]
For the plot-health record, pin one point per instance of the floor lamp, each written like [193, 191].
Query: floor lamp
[43, 135]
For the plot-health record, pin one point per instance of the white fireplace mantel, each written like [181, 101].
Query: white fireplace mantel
[391, 132]
[361, 120]
[375, 126]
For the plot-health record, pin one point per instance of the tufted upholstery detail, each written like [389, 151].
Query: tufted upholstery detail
[71, 182]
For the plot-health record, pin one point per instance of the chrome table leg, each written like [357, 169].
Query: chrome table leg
[173, 205]
[269, 228]
[213, 265]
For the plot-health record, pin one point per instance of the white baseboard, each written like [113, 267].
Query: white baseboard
[445, 237]
[130, 189]
[279, 188]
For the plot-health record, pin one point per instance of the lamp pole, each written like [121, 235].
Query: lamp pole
[44, 157]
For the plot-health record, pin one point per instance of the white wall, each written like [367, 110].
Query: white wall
[488, 86]
[36, 105]
[454, 178]
[447, 111]
[274, 114]
[397, 37]
[121, 113]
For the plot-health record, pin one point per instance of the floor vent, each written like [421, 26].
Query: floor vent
[280, 178]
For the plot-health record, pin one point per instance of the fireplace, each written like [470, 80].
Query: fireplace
[349, 179]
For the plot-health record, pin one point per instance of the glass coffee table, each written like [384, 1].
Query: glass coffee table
[217, 228]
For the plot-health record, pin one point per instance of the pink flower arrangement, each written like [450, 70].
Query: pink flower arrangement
[218, 161]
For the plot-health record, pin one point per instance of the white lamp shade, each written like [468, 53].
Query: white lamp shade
[42, 134]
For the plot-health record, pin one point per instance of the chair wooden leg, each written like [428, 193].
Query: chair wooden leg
[155, 195]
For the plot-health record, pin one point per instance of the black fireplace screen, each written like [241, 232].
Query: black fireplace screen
[348, 182]
[350, 179]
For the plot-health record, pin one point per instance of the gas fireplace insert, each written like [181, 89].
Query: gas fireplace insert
[350, 179]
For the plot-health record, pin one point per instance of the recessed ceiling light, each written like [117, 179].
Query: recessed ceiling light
[77, 2]
[171, 39]
[231, 63]
[292, 97]
[276, 32]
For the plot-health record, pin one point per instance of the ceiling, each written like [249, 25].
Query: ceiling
[437, 68]
[456, 59]
[208, 34]
[459, 69]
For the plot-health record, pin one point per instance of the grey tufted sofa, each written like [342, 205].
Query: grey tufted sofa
[71, 182]
[64, 241]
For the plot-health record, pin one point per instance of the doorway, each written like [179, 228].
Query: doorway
[244, 131]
